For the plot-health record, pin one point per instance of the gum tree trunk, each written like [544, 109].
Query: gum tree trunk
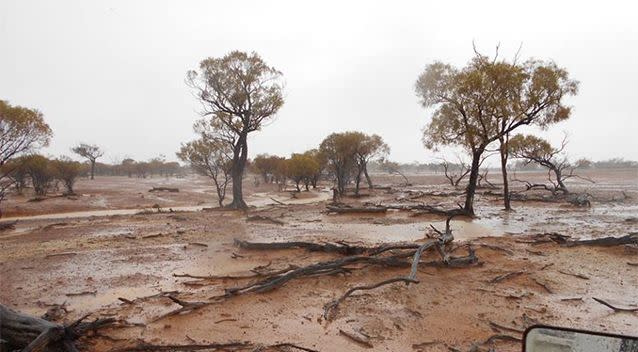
[368, 179]
[506, 191]
[240, 155]
[470, 191]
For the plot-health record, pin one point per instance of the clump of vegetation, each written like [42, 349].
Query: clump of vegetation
[212, 158]
[67, 171]
[22, 130]
[347, 156]
[41, 173]
[302, 168]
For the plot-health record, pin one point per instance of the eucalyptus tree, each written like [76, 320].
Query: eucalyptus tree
[240, 93]
[212, 158]
[22, 130]
[485, 101]
[369, 147]
[90, 152]
[302, 168]
[340, 151]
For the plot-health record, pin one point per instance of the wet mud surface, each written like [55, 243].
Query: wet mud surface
[87, 263]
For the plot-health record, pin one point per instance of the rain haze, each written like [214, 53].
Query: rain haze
[112, 73]
[322, 176]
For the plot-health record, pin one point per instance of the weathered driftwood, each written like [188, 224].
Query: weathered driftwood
[30, 334]
[229, 346]
[439, 243]
[265, 219]
[358, 338]
[566, 241]
[615, 307]
[8, 225]
[609, 241]
[164, 189]
[396, 255]
[341, 247]
[349, 210]
[421, 209]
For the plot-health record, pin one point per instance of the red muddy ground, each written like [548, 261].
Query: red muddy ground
[98, 259]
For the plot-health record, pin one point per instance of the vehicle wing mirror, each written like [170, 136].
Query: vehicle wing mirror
[554, 339]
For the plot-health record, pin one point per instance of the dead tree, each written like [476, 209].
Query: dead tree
[483, 178]
[357, 258]
[30, 334]
[455, 174]
[532, 149]
[393, 167]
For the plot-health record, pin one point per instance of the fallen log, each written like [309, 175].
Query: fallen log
[164, 189]
[610, 241]
[365, 257]
[615, 307]
[439, 243]
[30, 334]
[422, 209]
[506, 276]
[358, 338]
[8, 225]
[265, 218]
[229, 346]
[350, 210]
[342, 247]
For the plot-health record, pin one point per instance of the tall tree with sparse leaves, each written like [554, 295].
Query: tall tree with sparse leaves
[240, 92]
[90, 152]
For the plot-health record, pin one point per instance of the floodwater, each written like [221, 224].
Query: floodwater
[255, 200]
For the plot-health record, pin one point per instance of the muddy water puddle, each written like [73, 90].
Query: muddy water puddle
[386, 229]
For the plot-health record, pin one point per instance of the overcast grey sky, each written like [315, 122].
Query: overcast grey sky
[112, 72]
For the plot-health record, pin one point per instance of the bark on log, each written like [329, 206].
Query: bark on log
[26, 332]
[164, 189]
[610, 241]
[350, 210]
[342, 248]
[31, 334]
[264, 218]
[8, 225]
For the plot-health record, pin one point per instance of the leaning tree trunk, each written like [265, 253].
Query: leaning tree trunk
[357, 183]
[470, 191]
[506, 190]
[559, 180]
[240, 155]
[368, 179]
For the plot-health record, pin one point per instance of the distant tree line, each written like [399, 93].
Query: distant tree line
[157, 166]
[478, 108]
